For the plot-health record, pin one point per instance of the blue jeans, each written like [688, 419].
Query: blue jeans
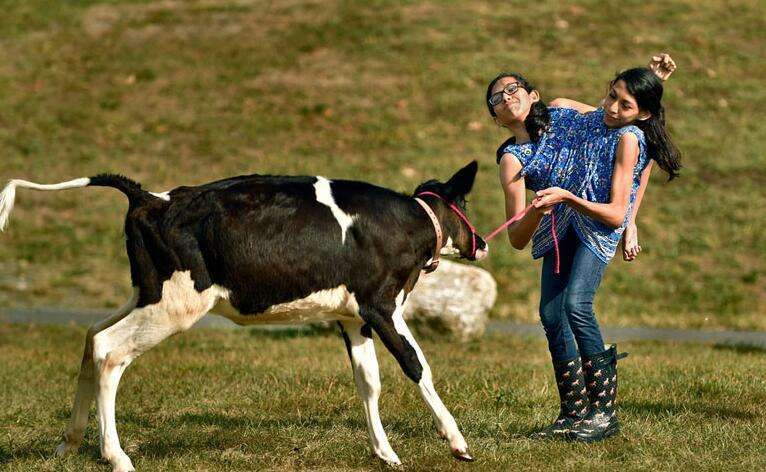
[566, 300]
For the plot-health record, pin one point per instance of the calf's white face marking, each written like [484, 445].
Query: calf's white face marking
[448, 249]
[324, 196]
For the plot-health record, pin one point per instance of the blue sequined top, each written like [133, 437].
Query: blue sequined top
[577, 153]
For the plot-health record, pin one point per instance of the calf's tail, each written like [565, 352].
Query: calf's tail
[125, 185]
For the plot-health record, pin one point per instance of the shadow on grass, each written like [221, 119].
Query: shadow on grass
[667, 409]
[270, 423]
[740, 348]
[44, 448]
[24, 451]
[227, 431]
[291, 333]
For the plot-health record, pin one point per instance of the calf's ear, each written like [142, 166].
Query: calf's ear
[460, 184]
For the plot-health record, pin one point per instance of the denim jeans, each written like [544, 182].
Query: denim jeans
[566, 300]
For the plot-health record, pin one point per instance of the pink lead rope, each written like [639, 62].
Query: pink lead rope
[494, 233]
[519, 216]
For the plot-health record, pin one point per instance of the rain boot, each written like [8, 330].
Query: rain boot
[600, 422]
[574, 399]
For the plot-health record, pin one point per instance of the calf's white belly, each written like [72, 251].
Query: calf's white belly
[324, 305]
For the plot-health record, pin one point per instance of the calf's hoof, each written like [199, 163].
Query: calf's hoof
[122, 464]
[66, 448]
[394, 463]
[389, 458]
[462, 456]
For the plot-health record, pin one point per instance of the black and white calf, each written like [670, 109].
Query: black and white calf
[280, 250]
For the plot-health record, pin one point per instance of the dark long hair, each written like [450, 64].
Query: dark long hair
[538, 119]
[647, 89]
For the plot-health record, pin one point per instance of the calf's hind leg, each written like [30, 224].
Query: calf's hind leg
[114, 348]
[72, 437]
[364, 363]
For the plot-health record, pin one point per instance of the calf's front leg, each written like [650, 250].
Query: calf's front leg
[398, 339]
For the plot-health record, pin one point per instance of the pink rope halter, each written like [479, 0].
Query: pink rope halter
[460, 215]
[503, 226]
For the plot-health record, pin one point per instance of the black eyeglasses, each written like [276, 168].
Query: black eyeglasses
[510, 89]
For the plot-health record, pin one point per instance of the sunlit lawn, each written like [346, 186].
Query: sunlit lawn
[249, 400]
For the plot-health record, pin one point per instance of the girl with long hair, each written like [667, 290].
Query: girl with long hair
[588, 168]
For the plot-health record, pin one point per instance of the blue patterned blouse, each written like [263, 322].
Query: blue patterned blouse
[577, 154]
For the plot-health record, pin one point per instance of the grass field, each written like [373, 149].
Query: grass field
[182, 92]
[249, 400]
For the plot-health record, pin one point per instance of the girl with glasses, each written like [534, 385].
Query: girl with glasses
[588, 168]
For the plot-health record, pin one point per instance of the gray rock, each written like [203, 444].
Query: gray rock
[454, 300]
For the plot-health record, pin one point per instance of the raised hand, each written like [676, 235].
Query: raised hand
[662, 65]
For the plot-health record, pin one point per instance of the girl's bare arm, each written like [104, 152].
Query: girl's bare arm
[568, 103]
[520, 232]
[612, 213]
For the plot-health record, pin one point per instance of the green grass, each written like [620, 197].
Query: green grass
[249, 400]
[176, 93]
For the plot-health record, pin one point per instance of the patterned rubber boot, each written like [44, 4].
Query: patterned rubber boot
[574, 399]
[601, 380]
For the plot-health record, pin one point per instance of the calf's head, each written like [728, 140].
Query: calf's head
[459, 235]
